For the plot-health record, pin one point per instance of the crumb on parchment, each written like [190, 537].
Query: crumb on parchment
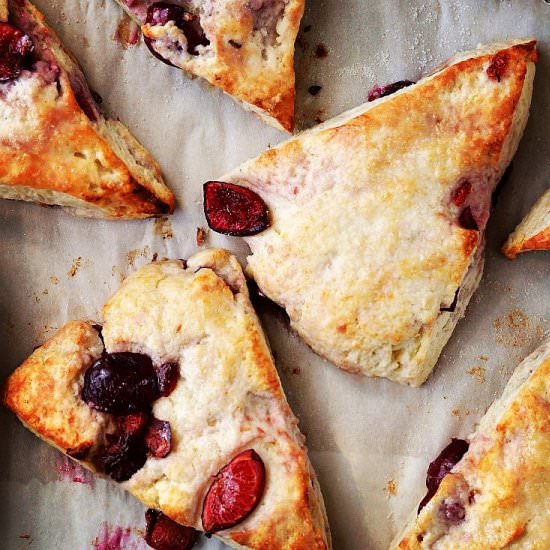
[391, 487]
[75, 266]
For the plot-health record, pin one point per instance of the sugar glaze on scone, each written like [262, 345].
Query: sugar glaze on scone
[377, 216]
[247, 49]
[56, 146]
[533, 233]
[502, 484]
[228, 398]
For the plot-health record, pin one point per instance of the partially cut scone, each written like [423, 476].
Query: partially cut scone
[498, 494]
[244, 47]
[372, 232]
[177, 397]
[533, 233]
[56, 146]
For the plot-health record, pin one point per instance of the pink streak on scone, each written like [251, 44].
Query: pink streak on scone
[68, 470]
[112, 537]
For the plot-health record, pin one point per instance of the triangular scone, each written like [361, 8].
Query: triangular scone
[244, 47]
[497, 495]
[533, 233]
[227, 399]
[56, 146]
[377, 216]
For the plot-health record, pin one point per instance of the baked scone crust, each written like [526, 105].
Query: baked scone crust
[533, 233]
[251, 51]
[503, 481]
[53, 153]
[228, 398]
[365, 246]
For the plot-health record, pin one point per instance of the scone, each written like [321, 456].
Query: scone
[244, 47]
[498, 495]
[371, 230]
[177, 398]
[56, 146]
[533, 233]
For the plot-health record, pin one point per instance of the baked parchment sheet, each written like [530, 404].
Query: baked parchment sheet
[370, 440]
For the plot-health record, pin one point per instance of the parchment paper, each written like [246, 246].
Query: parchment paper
[370, 440]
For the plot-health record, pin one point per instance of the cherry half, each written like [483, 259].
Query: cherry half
[234, 210]
[234, 493]
[15, 49]
[162, 533]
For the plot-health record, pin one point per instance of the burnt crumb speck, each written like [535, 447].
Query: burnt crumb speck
[236, 45]
[321, 51]
[315, 89]
[201, 236]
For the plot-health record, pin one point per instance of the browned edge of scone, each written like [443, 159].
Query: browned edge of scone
[141, 191]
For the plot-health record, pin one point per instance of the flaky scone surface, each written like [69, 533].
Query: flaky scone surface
[250, 55]
[228, 399]
[55, 152]
[366, 249]
[533, 233]
[503, 481]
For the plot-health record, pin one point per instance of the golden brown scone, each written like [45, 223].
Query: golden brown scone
[533, 233]
[502, 484]
[246, 48]
[56, 146]
[376, 242]
[228, 398]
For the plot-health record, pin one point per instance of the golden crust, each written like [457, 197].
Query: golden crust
[250, 55]
[53, 153]
[228, 398]
[40, 390]
[533, 233]
[503, 481]
[365, 236]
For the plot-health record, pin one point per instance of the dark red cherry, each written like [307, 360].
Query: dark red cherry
[162, 533]
[441, 466]
[120, 383]
[134, 423]
[15, 49]
[382, 91]
[122, 456]
[168, 374]
[234, 493]
[234, 210]
[467, 220]
[158, 438]
[161, 13]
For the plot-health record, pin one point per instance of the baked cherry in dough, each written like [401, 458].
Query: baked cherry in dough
[234, 210]
[15, 49]
[234, 493]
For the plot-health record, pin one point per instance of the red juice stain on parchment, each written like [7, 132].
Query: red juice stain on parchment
[113, 537]
[68, 470]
